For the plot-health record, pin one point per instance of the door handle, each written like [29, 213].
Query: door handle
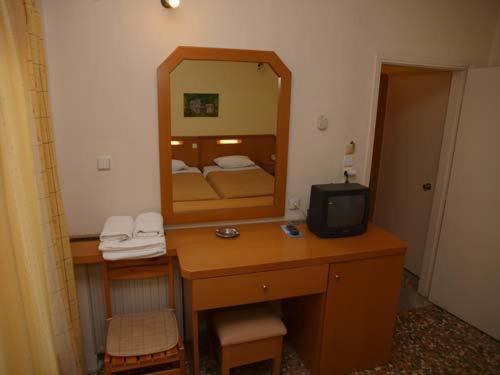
[427, 186]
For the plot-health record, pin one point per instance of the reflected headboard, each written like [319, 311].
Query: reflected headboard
[201, 151]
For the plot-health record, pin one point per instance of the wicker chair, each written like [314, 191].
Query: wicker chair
[143, 340]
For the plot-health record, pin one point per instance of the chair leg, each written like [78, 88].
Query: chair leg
[107, 365]
[277, 358]
[182, 359]
[107, 370]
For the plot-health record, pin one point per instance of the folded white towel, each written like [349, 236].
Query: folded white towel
[148, 224]
[134, 244]
[133, 254]
[118, 228]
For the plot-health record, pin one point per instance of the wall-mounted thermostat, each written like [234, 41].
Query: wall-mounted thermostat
[322, 122]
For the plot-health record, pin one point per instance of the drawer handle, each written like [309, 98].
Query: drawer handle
[264, 287]
[337, 277]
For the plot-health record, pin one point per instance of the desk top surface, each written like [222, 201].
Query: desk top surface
[264, 246]
[85, 251]
[260, 247]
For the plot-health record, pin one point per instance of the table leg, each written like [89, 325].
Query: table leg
[196, 342]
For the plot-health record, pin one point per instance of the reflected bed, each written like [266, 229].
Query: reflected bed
[239, 182]
[190, 185]
[220, 204]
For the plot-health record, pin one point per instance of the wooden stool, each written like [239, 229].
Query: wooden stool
[248, 334]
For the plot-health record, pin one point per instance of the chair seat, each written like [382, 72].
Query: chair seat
[142, 334]
[251, 323]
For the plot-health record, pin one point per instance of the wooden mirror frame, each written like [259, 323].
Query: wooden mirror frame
[164, 123]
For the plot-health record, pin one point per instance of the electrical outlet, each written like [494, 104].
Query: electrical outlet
[293, 203]
[348, 161]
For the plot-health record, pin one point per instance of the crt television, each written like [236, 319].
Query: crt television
[338, 210]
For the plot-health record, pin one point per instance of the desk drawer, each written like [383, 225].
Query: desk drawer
[257, 287]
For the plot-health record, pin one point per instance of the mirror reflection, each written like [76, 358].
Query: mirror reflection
[223, 131]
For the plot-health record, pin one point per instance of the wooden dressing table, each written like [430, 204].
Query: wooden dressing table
[341, 294]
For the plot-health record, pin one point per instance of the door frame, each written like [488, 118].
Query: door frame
[459, 75]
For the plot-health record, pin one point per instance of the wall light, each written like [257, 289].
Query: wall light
[170, 3]
[176, 143]
[229, 141]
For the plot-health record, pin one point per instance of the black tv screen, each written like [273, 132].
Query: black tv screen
[345, 210]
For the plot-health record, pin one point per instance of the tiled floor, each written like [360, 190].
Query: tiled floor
[428, 340]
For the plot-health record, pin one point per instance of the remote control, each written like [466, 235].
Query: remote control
[292, 229]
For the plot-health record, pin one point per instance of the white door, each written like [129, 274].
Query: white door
[466, 277]
[411, 145]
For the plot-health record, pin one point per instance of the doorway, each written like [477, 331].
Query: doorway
[410, 125]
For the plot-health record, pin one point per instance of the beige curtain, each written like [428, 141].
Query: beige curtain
[39, 321]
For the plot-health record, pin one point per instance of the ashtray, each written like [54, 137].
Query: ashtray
[227, 232]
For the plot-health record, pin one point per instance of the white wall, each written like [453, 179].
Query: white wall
[102, 58]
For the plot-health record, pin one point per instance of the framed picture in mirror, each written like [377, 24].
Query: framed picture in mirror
[201, 105]
[222, 162]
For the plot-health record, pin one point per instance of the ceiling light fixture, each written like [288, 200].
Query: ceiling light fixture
[170, 3]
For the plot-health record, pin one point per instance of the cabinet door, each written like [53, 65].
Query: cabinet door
[361, 307]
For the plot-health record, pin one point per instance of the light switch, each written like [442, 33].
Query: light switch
[103, 163]
[322, 122]
[194, 145]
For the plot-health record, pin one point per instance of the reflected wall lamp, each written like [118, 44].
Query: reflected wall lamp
[229, 141]
[170, 3]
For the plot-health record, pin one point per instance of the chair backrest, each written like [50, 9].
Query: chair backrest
[135, 270]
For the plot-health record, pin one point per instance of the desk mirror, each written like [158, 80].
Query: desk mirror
[223, 128]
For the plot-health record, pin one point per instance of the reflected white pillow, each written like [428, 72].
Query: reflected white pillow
[234, 161]
[178, 165]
